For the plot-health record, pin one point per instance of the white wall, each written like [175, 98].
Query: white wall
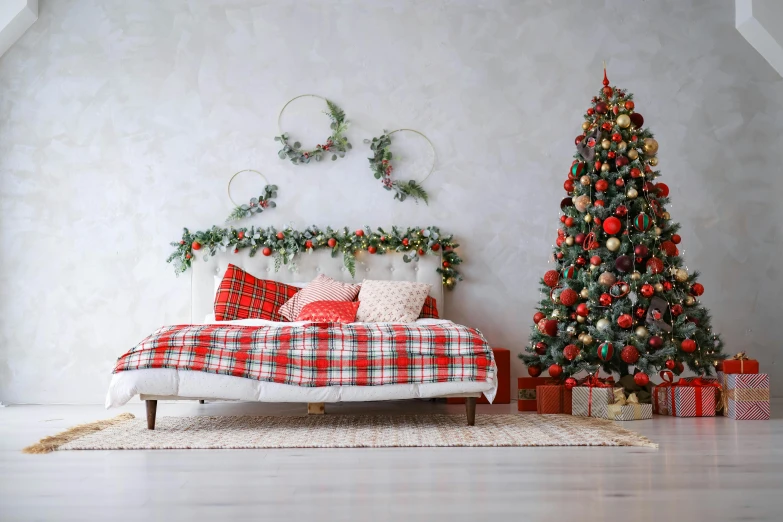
[120, 122]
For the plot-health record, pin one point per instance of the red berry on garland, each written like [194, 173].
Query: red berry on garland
[579, 139]
[676, 239]
[617, 137]
[641, 379]
[360, 232]
[405, 241]
[383, 238]
[280, 236]
[582, 310]
[240, 235]
[620, 182]
[187, 255]
[647, 290]
[421, 252]
[635, 173]
[371, 249]
[534, 370]
[541, 348]
[670, 364]
[267, 251]
[605, 300]
[538, 316]
[697, 289]
[570, 352]
[308, 244]
[196, 245]
[640, 312]
[569, 222]
[654, 265]
[568, 297]
[655, 342]
[612, 225]
[332, 242]
[446, 264]
[555, 371]
[551, 278]
[625, 321]
[435, 247]
[595, 260]
[181, 241]
[601, 185]
[605, 351]
[663, 189]
[629, 354]
[629, 105]
[570, 383]
[601, 107]
[688, 345]
[236, 250]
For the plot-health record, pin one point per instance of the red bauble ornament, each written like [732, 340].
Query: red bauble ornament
[597, 222]
[676, 310]
[642, 379]
[565, 202]
[688, 345]
[267, 251]
[559, 241]
[637, 120]
[435, 247]
[332, 242]
[580, 261]
[555, 371]
[635, 173]
[582, 310]
[641, 251]
[541, 348]
[640, 312]
[679, 368]
[597, 165]
[621, 162]
[619, 182]
[629, 354]
[446, 264]
[667, 285]
[617, 137]
[570, 383]
[606, 126]
[590, 111]
[669, 248]
[560, 255]
[697, 289]
[196, 245]
[568, 185]
[579, 238]
[647, 290]
[534, 371]
[371, 249]
[623, 263]
[570, 352]
[280, 236]
[599, 203]
[568, 297]
[550, 328]
[607, 91]
[605, 351]
[655, 342]
[570, 272]
[663, 189]
[605, 300]
[360, 232]
[612, 225]
[676, 239]
[551, 278]
[569, 221]
[625, 321]
[601, 107]
[629, 105]
[601, 185]
[595, 260]
[621, 211]
[670, 364]
[654, 265]
[611, 154]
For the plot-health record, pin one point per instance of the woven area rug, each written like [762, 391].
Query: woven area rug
[341, 431]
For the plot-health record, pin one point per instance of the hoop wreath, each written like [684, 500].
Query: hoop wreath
[256, 205]
[381, 167]
[336, 144]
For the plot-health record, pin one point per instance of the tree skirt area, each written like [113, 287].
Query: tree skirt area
[340, 431]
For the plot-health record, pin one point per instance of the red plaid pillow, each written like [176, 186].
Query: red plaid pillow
[329, 312]
[243, 296]
[430, 309]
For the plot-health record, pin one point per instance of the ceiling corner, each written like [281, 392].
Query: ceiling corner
[16, 17]
[760, 22]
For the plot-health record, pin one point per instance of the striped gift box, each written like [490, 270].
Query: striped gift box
[629, 412]
[587, 404]
[691, 401]
[660, 400]
[746, 396]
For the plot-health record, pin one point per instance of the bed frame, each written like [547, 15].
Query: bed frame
[308, 267]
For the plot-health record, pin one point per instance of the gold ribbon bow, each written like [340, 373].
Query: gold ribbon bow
[616, 409]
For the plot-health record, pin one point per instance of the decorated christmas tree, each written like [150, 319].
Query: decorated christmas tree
[619, 297]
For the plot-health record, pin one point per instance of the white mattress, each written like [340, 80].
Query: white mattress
[199, 385]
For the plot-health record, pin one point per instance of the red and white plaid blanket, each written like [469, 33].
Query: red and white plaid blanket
[320, 354]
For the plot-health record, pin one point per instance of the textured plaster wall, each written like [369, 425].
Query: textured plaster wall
[120, 122]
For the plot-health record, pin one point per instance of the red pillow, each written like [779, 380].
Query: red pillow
[329, 312]
[430, 309]
[243, 296]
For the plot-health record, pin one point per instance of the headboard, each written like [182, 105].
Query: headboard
[368, 266]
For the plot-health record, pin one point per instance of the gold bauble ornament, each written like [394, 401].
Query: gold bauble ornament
[632, 154]
[569, 241]
[605, 144]
[632, 193]
[641, 332]
[636, 276]
[624, 121]
[585, 293]
[580, 319]
[585, 180]
[650, 146]
[607, 279]
[587, 339]
[681, 275]
[586, 125]
[580, 336]
[613, 244]
[653, 161]
[666, 216]
[588, 218]
[657, 231]
[593, 267]
[658, 287]
[603, 324]
[450, 282]
[605, 167]
[622, 146]
[689, 300]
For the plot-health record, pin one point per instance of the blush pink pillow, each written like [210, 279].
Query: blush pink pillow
[322, 288]
[329, 312]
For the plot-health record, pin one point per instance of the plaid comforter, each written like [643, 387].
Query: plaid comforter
[320, 354]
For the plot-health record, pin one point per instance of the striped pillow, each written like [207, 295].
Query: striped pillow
[322, 288]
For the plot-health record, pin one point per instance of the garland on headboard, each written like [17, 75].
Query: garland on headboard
[286, 244]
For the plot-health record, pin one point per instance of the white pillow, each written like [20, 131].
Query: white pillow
[391, 301]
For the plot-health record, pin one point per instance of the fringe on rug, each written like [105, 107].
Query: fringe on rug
[50, 444]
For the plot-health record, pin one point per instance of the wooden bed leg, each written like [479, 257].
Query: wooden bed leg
[152, 408]
[201, 401]
[470, 409]
[315, 408]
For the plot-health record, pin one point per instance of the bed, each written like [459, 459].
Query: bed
[152, 381]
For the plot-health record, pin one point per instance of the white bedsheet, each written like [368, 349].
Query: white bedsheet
[199, 385]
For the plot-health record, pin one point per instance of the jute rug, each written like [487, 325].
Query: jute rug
[341, 431]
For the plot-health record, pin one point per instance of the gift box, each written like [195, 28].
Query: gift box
[526, 395]
[660, 400]
[693, 397]
[627, 408]
[746, 396]
[591, 401]
[553, 398]
[740, 364]
[503, 394]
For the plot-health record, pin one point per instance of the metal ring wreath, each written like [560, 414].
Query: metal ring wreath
[336, 144]
[286, 244]
[382, 168]
[256, 205]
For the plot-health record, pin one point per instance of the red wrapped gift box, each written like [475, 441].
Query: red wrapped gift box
[553, 398]
[740, 364]
[526, 400]
[503, 395]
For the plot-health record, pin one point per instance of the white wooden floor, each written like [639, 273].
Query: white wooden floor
[706, 469]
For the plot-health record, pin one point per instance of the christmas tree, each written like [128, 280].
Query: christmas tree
[619, 297]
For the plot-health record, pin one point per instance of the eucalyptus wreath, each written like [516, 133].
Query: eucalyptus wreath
[382, 168]
[336, 144]
[255, 206]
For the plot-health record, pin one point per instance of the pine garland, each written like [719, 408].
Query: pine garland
[336, 144]
[256, 205]
[285, 245]
[381, 167]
